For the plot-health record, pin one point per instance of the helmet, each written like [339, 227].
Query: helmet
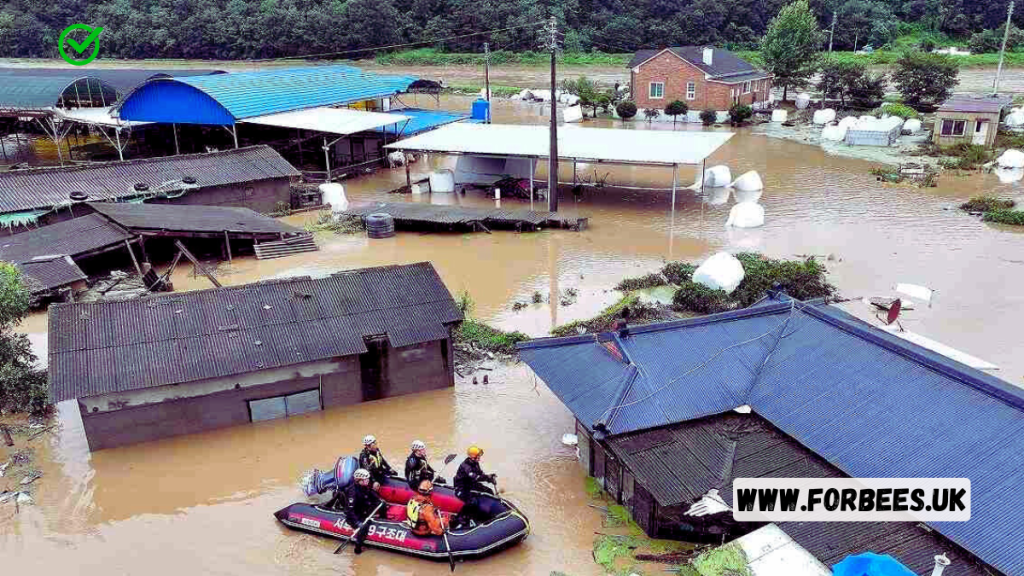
[418, 445]
[361, 474]
[425, 487]
[369, 439]
[475, 451]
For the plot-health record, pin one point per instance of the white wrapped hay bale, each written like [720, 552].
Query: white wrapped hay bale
[803, 100]
[334, 194]
[822, 117]
[748, 181]
[913, 125]
[780, 115]
[1015, 119]
[716, 196]
[717, 176]
[1009, 175]
[573, 114]
[848, 122]
[746, 215]
[442, 181]
[720, 272]
[833, 133]
[747, 195]
[1011, 159]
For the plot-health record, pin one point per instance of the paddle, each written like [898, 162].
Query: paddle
[447, 460]
[448, 547]
[360, 529]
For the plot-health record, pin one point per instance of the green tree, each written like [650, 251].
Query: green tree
[22, 385]
[625, 109]
[585, 89]
[676, 108]
[850, 82]
[739, 113]
[790, 46]
[925, 80]
[991, 41]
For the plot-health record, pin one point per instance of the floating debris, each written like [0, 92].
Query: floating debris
[30, 478]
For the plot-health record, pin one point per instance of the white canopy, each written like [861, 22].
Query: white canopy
[96, 117]
[613, 146]
[334, 120]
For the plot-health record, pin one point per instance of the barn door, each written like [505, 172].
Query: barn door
[980, 132]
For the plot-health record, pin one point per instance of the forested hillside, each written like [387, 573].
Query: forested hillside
[228, 29]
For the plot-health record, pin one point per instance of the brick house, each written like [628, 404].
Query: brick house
[704, 78]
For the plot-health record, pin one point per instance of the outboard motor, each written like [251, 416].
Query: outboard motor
[319, 481]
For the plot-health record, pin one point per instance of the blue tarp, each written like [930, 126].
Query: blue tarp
[870, 564]
[422, 120]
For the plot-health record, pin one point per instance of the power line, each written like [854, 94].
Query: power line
[390, 46]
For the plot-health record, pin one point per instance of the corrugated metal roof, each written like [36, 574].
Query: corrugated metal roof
[49, 187]
[71, 237]
[421, 120]
[723, 62]
[184, 218]
[107, 347]
[35, 88]
[248, 94]
[52, 272]
[986, 104]
[870, 403]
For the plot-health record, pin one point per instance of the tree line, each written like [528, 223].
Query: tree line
[236, 29]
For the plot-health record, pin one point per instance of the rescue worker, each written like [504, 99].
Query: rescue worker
[470, 479]
[372, 460]
[358, 501]
[423, 513]
[417, 468]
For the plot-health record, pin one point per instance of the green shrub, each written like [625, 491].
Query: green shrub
[1013, 217]
[986, 204]
[899, 109]
[23, 387]
[676, 108]
[641, 283]
[739, 113]
[694, 297]
[678, 272]
[640, 312]
[708, 117]
[487, 338]
[625, 109]
[970, 155]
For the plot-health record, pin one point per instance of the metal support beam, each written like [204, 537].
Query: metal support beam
[227, 244]
[327, 160]
[234, 132]
[408, 176]
[120, 151]
[533, 170]
[177, 151]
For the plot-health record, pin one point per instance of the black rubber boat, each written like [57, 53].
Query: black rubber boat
[506, 525]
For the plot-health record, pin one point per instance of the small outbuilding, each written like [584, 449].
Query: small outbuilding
[969, 119]
[181, 363]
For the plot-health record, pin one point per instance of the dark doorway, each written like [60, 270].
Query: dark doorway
[372, 366]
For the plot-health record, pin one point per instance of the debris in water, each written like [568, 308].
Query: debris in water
[570, 439]
[475, 381]
[485, 379]
[32, 477]
[3, 467]
[24, 498]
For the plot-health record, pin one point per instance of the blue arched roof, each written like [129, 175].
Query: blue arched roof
[223, 99]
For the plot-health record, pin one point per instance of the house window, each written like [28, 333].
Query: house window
[954, 127]
[746, 87]
[691, 90]
[657, 90]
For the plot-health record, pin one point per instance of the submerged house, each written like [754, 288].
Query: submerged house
[256, 177]
[181, 363]
[669, 414]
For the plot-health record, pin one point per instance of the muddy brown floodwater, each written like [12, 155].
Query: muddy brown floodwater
[203, 503]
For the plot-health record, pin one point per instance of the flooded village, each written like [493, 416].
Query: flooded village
[235, 279]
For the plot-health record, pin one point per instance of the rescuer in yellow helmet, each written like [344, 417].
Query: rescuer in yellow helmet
[469, 485]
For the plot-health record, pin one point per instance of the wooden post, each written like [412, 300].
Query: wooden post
[227, 243]
[533, 170]
[142, 248]
[196, 263]
[408, 178]
[7, 435]
[132, 253]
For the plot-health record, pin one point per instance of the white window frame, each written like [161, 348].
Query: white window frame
[691, 90]
[650, 91]
[746, 87]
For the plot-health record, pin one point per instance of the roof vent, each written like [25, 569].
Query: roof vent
[189, 180]
[709, 54]
[940, 564]
[141, 186]
[78, 196]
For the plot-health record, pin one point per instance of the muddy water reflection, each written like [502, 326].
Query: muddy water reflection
[203, 502]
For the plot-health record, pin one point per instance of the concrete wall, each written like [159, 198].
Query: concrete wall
[676, 74]
[261, 196]
[971, 119]
[418, 368]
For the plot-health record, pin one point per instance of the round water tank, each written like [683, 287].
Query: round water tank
[380, 226]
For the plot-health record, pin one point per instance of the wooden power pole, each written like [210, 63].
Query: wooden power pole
[1002, 52]
[553, 152]
[832, 33]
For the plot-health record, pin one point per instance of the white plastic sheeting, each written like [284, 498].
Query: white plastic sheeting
[333, 120]
[912, 125]
[772, 552]
[824, 116]
[442, 181]
[717, 176]
[1011, 159]
[573, 114]
[833, 133]
[334, 194]
[746, 215]
[922, 293]
[96, 117]
[749, 181]
[803, 99]
[720, 272]
[651, 147]
[780, 115]
[486, 171]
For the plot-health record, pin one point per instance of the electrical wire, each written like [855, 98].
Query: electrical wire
[390, 46]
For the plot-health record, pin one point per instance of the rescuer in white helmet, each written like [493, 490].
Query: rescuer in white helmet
[372, 460]
[417, 469]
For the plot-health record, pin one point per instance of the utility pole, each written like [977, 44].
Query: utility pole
[553, 152]
[1002, 52]
[487, 78]
[832, 33]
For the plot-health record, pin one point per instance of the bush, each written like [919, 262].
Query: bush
[640, 312]
[708, 117]
[969, 156]
[23, 387]
[991, 41]
[1013, 217]
[625, 109]
[739, 113]
[487, 338]
[651, 113]
[927, 44]
[899, 109]
[698, 298]
[850, 81]
[678, 272]
[986, 204]
[641, 283]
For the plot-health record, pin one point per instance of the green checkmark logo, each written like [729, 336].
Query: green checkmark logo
[79, 54]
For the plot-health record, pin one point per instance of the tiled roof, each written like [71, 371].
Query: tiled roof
[49, 187]
[723, 62]
[105, 347]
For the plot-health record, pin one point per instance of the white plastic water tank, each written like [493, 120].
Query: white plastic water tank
[803, 99]
[746, 215]
[1011, 159]
[912, 125]
[825, 116]
[334, 194]
[720, 272]
[717, 176]
[442, 181]
[780, 115]
[748, 181]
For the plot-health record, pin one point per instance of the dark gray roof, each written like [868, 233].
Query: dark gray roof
[106, 347]
[723, 62]
[183, 218]
[679, 464]
[50, 272]
[72, 237]
[976, 103]
[738, 78]
[49, 187]
[870, 403]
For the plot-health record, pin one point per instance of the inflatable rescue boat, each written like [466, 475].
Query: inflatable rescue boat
[505, 525]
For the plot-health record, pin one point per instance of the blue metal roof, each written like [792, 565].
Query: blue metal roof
[421, 121]
[872, 404]
[224, 99]
[35, 88]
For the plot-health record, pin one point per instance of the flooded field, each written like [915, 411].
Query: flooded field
[203, 503]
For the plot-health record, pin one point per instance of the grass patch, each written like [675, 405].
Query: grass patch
[435, 57]
[641, 283]
[496, 90]
[889, 57]
[639, 313]
[802, 280]
[1007, 139]
[485, 337]
[728, 560]
[966, 156]
[1012, 217]
[613, 553]
[593, 489]
[986, 204]
[325, 222]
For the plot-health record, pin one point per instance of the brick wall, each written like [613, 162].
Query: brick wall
[676, 74]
